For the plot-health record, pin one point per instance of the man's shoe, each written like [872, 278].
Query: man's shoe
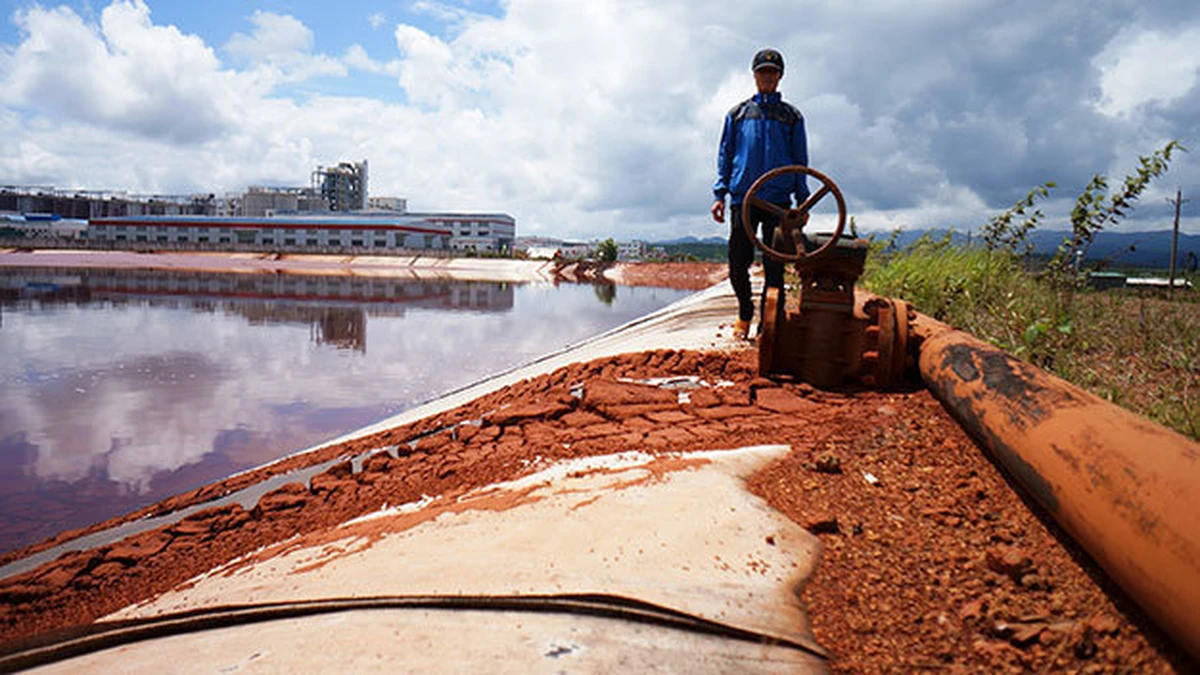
[741, 328]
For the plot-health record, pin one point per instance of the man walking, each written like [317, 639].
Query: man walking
[761, 133]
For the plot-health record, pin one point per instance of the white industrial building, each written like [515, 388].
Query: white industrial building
[334, 211]
[631, 250]
[40, 226]
[397, 204]
[260, 202]
[383, 232]
[482, 233]
[547, 248]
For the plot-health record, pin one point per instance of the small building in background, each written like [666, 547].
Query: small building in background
[40, 226]
[631, 250]
[79, 204]
[547, 248]
[261, 202]
[541, 252]
[1157, 282]
[575, 249]
[1103, 281]
[393, 204]
[477, 232]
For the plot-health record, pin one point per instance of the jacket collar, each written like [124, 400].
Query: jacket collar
[773, 97]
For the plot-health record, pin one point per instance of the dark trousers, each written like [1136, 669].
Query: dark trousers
[741, 256]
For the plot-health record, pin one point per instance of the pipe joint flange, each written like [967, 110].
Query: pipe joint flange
[885, 357]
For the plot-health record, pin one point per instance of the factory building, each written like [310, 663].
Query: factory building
[399, 204]
[85, 204]
[631, 250]
[261, 202]
[35, 225]
[333, 212]
[407, 231]
[480, 233]
[342, 187]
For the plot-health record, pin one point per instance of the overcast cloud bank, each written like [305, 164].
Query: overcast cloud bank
[601, 118]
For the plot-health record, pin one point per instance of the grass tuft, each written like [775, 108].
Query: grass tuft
[1140, 350]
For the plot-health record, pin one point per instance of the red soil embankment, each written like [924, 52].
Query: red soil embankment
[692, 276]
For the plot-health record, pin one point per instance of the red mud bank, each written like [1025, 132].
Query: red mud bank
[931, 560]
[688, 276]
[692, 276]
[680, 275]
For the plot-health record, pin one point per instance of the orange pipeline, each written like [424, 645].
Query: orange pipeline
[1124, 487]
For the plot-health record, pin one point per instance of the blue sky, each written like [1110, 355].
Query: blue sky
[594, 118]
[337, 26]
[340, 23]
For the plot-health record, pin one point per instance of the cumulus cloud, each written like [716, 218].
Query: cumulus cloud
[440, 11]
[280, 49]
[1146, 68]
[126, 74]
[357, 57]
[274, 35]
[601, 118]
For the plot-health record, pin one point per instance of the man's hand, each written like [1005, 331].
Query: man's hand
[718, 210]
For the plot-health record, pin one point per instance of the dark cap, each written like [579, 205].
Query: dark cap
[767, 58]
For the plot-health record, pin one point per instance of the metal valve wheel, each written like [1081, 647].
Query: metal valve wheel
[792, 220]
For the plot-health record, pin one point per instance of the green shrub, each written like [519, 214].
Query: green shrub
[1138, 350]
[986, 292]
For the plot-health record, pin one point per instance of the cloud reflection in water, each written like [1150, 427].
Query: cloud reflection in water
[141, 385]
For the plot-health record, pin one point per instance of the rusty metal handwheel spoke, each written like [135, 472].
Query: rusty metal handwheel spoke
[765, 205]
[793, 220]
[814, 198]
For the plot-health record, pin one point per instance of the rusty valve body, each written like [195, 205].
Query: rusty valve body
[829, 336]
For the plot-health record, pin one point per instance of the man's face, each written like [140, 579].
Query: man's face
[767, 79]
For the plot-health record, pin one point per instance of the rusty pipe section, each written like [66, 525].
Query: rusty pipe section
[1124, 487]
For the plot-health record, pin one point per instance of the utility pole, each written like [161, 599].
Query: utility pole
[1178, 201]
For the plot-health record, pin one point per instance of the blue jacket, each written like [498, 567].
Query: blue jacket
[760, 134]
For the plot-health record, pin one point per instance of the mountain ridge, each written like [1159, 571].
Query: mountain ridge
[1150, 248]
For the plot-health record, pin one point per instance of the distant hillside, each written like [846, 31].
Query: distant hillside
[691, 240]
[1114, 249]
[1142, 250]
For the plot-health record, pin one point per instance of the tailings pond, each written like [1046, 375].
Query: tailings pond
[119, 388]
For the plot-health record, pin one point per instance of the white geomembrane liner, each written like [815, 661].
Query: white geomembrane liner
[447, 641]
[680, 531]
